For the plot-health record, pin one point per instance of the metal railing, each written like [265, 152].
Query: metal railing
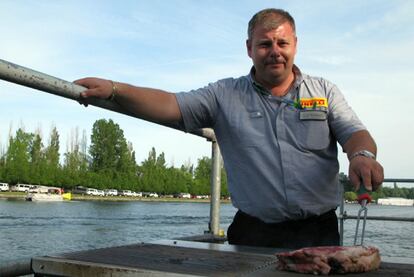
[34, 79]
[343, 215]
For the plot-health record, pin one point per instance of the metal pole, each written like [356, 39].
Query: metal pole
[341, 218]
[34, 79]
[214, 226]
[381, 218]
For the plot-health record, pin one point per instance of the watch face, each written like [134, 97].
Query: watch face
[368, 154]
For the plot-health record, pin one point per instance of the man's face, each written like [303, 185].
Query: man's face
[272, 52]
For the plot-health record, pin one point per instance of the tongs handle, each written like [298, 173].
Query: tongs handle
[363, 194]
[363, 198]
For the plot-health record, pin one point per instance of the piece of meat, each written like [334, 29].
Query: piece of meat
[330, 259]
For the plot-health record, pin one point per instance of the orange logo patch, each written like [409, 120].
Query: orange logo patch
[313, 102]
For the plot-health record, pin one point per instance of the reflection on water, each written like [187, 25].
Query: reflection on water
[29, 229]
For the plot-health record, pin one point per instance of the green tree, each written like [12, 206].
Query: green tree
[178, 181]
[202, 176]
[75, 163]
[2, 163]
[153, 173]
[52, 168]
[37, 160]
[111, 155]
[109, 149]
[224, 189]
[17, 167]
[345, 182]
[350, 196]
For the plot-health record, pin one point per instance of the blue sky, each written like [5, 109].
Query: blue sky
[365, 47]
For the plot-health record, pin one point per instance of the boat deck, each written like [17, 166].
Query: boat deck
[179, 258]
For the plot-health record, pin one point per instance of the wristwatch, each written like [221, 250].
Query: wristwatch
[364, 153]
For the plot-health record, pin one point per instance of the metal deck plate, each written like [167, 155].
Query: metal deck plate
[178, 258]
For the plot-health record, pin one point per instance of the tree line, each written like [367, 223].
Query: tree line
[382, 192]
[109, 162]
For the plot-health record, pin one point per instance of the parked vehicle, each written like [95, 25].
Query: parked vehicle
[100, 192]
[125, 193]
[150, 194]
[137, 194]
[111, 192]
[91, 191]
[4, 187]
[22, 187]
[80, 190]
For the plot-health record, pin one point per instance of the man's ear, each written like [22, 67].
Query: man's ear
[296, 45]
[249, 47]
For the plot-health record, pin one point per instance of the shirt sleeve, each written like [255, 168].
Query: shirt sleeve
[199, 107]
[343, 121]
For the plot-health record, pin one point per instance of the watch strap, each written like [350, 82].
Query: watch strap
[364, 153]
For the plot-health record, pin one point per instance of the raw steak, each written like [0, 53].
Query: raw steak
[330, 259]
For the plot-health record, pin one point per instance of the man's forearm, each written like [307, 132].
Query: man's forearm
[360, 140]
[147, 103]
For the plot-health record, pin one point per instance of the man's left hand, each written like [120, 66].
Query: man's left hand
[366, 171]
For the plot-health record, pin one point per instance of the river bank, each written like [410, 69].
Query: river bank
[80, 197]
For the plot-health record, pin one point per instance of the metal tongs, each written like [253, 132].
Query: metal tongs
[363, 198]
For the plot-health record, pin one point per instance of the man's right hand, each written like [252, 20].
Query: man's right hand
[96, 87]
[147, 103]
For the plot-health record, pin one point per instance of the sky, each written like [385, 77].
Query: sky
[364, 47]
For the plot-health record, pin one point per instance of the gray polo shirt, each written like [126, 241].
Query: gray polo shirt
[280, 154]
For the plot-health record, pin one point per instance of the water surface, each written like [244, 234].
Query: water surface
[30, 229]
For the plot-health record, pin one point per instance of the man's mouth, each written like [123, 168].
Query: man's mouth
[275, 62]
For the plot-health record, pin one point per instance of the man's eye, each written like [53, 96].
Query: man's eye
[265, 44]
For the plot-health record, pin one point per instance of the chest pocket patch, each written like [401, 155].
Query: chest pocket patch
[309, 129]
[250, 128]
[312, 115]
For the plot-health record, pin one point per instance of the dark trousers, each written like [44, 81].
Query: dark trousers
[314, 231]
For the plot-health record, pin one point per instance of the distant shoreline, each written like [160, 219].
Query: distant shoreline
[78, 197]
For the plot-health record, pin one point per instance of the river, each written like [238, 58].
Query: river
[30, 229]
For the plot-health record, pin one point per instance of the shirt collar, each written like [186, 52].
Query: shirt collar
[259, 88]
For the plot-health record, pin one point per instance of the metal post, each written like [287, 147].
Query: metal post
[214, 225]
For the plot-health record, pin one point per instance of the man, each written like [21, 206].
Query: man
[278, 131]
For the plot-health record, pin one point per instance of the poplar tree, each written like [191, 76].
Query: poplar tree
[75, 162]
[17, 167]
[36, 160]
[52, 172]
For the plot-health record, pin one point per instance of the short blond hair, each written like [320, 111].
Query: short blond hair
[270, 19]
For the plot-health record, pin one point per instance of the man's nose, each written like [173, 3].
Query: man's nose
[275, 49]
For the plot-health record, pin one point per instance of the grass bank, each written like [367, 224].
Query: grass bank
[79, 197]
